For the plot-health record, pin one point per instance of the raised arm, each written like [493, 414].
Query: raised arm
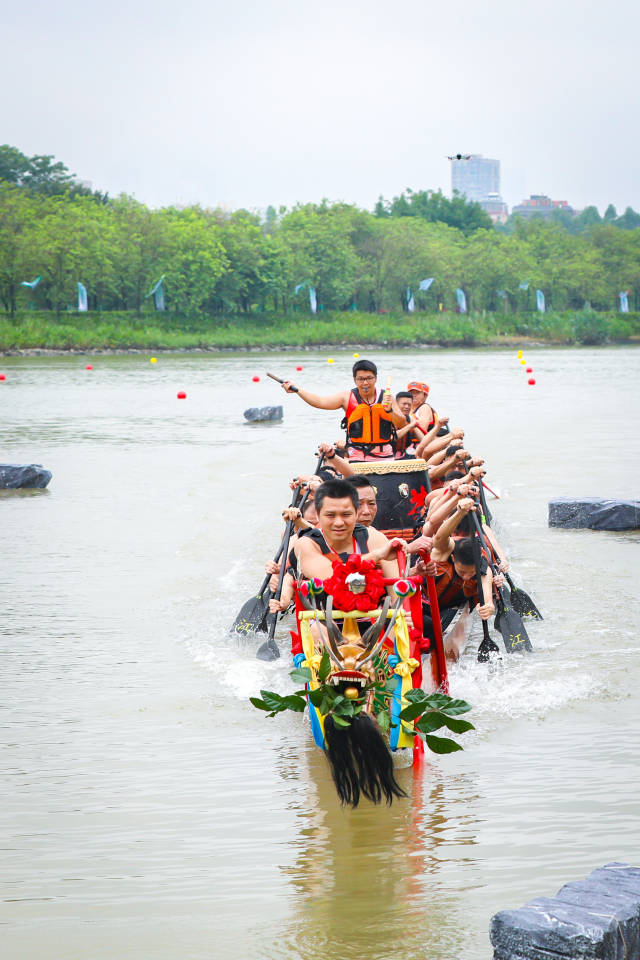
[442, 542]
[333, 402]
[338, 463]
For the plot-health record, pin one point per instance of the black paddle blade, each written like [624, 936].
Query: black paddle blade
[511, 627]
[524, 605]
[253, 615]
[268, 650]
[502, 599]
[487, 647]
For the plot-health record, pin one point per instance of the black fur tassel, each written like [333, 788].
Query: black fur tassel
[360, 761]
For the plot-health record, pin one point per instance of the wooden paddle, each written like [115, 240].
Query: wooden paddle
[269, 649]
[254, 611]
[507, 621]
[278, 380]
[483, 501]
[487, 646]
[253, 614]
[520, 600]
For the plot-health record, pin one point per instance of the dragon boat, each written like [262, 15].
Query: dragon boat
[374, 685]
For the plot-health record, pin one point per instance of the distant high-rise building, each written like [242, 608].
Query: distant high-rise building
[478, 179]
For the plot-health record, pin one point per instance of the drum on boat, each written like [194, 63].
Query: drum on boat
[401, 487]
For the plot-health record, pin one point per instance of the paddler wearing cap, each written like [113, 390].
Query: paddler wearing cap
[371, 416]
[420, 409]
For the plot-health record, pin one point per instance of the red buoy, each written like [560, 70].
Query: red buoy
[182, 395]
[88, 367]
[529, 369]
[256, 379]
[531, 381]
[2, 376]
[298, 368]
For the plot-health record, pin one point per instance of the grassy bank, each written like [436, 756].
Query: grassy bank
[121, 331]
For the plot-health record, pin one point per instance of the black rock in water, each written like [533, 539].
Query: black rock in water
[13, 476]
[597, 918]
[595, 513]
[257, 414]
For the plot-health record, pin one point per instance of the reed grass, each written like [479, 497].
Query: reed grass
[122, 331]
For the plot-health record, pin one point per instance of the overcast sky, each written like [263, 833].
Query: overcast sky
[245, 103]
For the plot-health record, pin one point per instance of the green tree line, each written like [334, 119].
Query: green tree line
[219, 262]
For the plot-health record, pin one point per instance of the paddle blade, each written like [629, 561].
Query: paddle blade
[268, 650]
[512, 628]
[524, 605]
[252, 616]
[487, 647]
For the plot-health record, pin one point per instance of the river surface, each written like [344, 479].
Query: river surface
[148, 811]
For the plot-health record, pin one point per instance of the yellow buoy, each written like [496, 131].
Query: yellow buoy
[356, 355]
[330, 360]
[523, 361]
[519, 354]
[153, 360]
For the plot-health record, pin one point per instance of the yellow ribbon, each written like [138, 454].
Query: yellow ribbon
[314, 662]
[406, 667]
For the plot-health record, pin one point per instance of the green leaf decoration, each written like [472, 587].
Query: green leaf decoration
[416, 695]
[344, 709]
[260, 704]
[339, 722]
[273, 700]
[431, 721]
[295, 703]
[384, 720]
[453, 707]
[301, 675]
[437, 701]
[442, 744]
[413, 711]
[458, 726]
[325, 667]
[391, 685]
[316, 696]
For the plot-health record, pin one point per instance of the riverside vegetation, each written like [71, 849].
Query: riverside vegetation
[122, 331]
[231, 276]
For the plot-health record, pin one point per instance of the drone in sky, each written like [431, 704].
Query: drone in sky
[460, 156]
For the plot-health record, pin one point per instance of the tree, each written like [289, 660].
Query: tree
[433, 206]
[193, 260]
[629, 220]
[42, 174]
[319, 240]
[18, 213]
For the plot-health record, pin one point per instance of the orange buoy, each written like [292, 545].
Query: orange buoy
[88, 367]
[2, 376]
[531, 381]
[256, 379]
[182, 395]
[298, 368]
[529, 369]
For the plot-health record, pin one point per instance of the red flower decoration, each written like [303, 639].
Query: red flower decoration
[343, 598]
[417, 500]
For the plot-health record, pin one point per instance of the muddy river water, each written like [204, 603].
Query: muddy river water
[148, 811]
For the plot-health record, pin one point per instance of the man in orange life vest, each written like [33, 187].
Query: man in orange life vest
[370, 417]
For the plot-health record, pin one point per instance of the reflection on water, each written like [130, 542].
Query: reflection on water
[151, 812]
